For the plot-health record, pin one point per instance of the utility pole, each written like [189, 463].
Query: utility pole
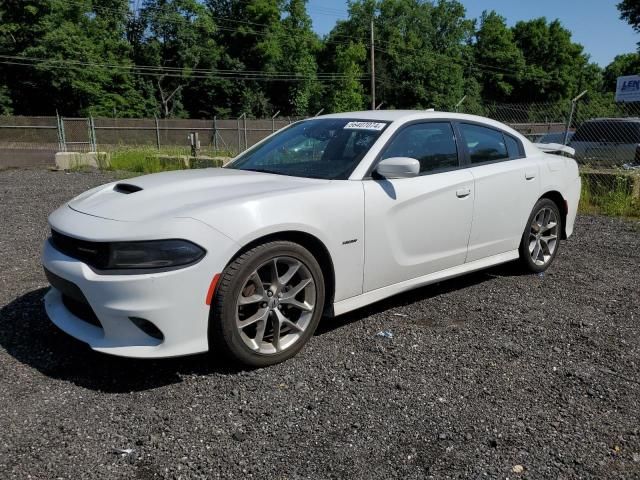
[373, 71]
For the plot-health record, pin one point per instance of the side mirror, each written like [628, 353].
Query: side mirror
[398, 167]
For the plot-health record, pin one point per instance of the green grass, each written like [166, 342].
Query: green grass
[612, 200]
[152, 160]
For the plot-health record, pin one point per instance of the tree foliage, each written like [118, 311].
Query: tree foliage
[630, 11]
[627, 64]
[200, 58]
[499, 57]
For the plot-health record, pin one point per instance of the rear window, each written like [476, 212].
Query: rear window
[484, 144]
[608, 131]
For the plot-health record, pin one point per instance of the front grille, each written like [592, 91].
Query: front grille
[73, 298]
[95, 254]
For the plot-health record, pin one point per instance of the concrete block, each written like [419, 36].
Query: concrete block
[75, 160]
[175, 162]
[205, 162]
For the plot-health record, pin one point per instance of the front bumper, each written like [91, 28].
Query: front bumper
[174, 302]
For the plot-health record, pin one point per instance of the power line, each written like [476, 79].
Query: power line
[173, 72]
[169, 68]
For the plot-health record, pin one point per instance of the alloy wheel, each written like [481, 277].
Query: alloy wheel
[275, 305]
[543, 236]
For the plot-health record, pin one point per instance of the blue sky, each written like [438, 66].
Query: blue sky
[594, 23]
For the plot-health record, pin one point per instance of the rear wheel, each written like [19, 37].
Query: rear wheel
[541, 238]
[268, 304]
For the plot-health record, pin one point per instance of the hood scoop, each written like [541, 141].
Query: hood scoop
[126, 188]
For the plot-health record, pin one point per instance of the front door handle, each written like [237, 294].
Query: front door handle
[463, 192]
[529, 175]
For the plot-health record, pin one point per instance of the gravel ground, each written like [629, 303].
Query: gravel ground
[493, 375]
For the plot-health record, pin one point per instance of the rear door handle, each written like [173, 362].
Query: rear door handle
[529, 175]
[463, 192]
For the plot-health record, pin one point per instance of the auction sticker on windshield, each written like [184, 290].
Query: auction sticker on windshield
[377, 126]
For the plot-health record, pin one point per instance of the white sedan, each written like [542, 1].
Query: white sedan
[325, 216]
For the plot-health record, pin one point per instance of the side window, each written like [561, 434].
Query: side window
[433, 144]
[513, 146]
[484, 144]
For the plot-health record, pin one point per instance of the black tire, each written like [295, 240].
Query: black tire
[224, 335]
[526, 259]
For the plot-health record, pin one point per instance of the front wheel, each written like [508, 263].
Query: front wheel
[268, 304]
[541, 237]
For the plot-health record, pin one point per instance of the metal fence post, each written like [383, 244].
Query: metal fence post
[244, 123]
[157, 131]
[60, 131]
[570, 119]
[215, 134]
[460, 103]
[244, 117]
[273, 121]
[92, 135]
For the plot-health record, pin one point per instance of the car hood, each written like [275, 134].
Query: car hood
[181, 193]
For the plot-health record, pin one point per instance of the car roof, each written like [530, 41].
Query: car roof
[402, 116]
[395, 115]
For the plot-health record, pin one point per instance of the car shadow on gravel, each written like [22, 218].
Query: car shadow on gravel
[511, 269]
[27, 334]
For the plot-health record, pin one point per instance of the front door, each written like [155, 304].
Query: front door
[420, 225]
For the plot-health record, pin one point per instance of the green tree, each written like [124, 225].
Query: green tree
[178, 36]
[299, 47]
[627, 64]
[555, 65]
[345, 52]
[251, 37]
[77, 55]
[6, 107]
[424, 47]
[420, 49]
[348, 93]
[630, 11]
[499, 60]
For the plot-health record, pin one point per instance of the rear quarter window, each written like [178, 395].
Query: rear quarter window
[513, 147]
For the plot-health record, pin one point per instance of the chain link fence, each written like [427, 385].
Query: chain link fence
[605, 135]
[26, 141]
[229, 136]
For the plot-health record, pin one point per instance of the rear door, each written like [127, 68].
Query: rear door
[506, 186]
[420, 225]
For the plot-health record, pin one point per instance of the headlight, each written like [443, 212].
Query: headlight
[153, 254]
[143, 255]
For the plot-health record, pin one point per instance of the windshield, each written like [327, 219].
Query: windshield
[327, 148]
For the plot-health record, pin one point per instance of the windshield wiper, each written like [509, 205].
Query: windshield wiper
[259, 170]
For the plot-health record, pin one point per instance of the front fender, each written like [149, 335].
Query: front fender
[333, 213]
